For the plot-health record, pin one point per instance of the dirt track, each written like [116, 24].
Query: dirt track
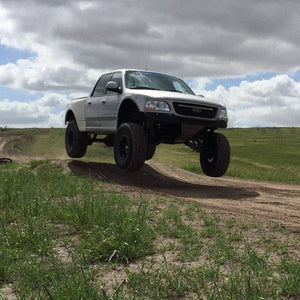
[20, 157]
[241, 199]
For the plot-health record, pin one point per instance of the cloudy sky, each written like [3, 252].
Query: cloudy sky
[241, 53]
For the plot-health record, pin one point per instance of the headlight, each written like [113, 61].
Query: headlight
[154, 105]
[223, 114]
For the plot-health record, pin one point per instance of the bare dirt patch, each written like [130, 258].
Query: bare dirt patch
[7, 293]
[14, 155]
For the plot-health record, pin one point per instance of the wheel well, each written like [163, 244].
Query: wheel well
[69, 116]
[129, 112]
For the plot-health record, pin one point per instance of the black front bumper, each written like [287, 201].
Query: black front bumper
[166, 119]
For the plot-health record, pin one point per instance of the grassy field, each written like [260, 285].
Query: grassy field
[271, 154]
[69, 237]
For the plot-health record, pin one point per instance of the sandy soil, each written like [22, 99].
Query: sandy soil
[231, 197]
[15, 156]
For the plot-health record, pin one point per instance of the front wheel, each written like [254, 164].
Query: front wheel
[215, 155]
[130, 147]
[75, 141]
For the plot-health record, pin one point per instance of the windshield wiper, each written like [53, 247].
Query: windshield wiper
[143, 88]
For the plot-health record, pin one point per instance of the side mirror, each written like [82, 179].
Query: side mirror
[113, 86]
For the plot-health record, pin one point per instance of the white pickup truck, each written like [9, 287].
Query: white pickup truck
[134, 111]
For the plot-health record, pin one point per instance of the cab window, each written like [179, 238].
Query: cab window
[117, 77]
[99, 89]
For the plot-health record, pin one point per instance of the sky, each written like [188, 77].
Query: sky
[244, 54]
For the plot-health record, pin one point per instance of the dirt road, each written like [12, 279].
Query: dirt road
[241, 199]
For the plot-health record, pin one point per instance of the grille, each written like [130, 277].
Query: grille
[195, 110]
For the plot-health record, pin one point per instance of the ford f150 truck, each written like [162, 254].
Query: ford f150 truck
[134, 111]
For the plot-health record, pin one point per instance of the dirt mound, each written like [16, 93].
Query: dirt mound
[235, 198]
[9, 149]
[150, 179]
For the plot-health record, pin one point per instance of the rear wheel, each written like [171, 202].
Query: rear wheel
[75, 141]
[130, 147]
[5, 160]
[215, 155]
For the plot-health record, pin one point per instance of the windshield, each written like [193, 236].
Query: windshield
[155, 81]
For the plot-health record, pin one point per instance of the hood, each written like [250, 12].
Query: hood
[172, 96]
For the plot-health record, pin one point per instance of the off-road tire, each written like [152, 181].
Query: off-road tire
[75, 141]
[5, 160]
[150, 151]
[215, 155]
[130, 147]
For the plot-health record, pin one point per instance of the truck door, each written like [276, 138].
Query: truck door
[102, 107]
[111, 107]
[96, 103]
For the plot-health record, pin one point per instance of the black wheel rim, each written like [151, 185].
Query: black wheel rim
[210, 159]
[211, 156]
[124, 147]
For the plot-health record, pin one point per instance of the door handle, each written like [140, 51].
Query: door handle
[103, 101]
[89, 103]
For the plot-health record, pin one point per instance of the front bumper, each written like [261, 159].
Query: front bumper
[171, 119]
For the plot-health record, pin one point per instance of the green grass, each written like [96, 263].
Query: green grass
[270, 154]
[33, 205]
[61, 236]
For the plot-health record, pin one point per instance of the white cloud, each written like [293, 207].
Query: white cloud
[273, 102]
[47, 111]
[76, 39]
[198, 84]
[39, 75]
